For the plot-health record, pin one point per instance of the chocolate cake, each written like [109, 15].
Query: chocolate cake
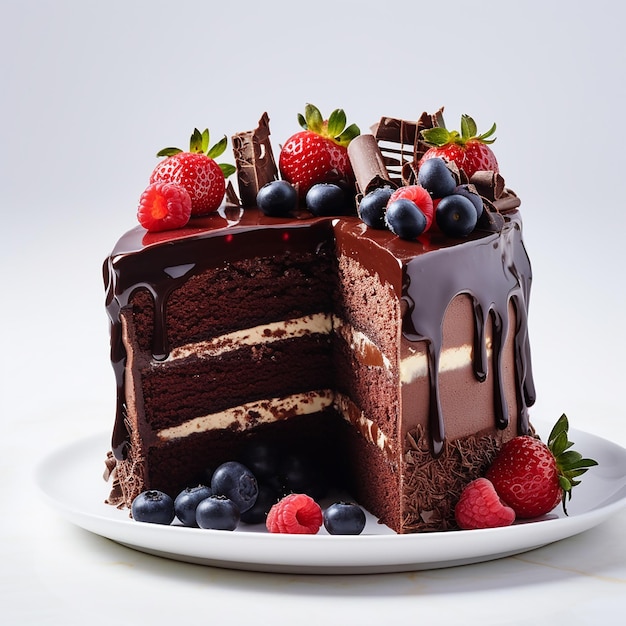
[405, 364]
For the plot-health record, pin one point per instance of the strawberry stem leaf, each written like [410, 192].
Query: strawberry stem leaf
[334, 128]
[166, 152]
[348, 135]
[195, 142]
[570, 464]
[439, 136]
[337, 123]
[227, 169]
[205, 141]
[218, 148]
[313, 118]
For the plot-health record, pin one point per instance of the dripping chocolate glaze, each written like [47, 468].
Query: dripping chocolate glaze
[492, 268]
[493, 271]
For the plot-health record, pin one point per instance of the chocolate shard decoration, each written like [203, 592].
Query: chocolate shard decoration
[255, 160]
[368, 164]
[400, 143]
[230, 196]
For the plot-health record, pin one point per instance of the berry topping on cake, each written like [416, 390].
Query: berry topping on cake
[404, 218]
[217, 513]
[297, 514]
[456, 216]
[235, 481]
[372, 207]
[277, 198]
[533, 477]
[418, 195]
[318, 154]
[164, 206]
[469, 192]
[153, 506]
[469, 150]
[344, 518]
[196, 171]
[435, 176]
[480, 507]
[324, 199]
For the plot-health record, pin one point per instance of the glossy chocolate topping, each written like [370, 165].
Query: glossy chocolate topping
[492, 267]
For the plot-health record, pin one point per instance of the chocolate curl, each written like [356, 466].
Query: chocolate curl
[368, 164]
[489, 184]
[491, 187]
[255, 160]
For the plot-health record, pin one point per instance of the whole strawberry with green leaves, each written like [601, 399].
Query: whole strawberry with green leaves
[468, 149]
[196, 171]
[532, 477]
[318, 154]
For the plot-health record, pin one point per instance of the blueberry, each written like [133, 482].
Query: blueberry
[456, 216]
[405, 219]
[235, 481]
[327, 199]
[153, 506]
[436, 178]
[277, 198]
[268, 497]
[344, 518]
[217, 513]
[299, 473]
[261, 459]
[372, 207]
[186, 502]
[469, 192]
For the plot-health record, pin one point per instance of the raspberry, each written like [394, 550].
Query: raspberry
[164, 206]
[420, 196]
[480, 507]
[296, 513]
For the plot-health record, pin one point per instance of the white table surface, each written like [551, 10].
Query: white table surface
[105, 91]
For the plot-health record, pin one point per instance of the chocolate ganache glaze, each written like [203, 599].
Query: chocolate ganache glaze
[427, 274]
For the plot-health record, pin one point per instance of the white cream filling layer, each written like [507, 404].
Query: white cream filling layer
[252, 414]
[318, 323]
[361, 422]
[270, 410]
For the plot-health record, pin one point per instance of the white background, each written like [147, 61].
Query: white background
[89, 91]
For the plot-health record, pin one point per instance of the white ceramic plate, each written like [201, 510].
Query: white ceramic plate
[71, 480]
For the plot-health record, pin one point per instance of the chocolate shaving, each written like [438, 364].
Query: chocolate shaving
[255, 160]
[368, 164]
[437, 483]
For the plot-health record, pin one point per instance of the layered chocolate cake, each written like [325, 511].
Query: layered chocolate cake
[404, 364]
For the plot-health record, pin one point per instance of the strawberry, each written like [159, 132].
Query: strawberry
[318, 154]
[480, 507]
[164, 206]
[533, 477]
[470, 151]
[196, 171]
[297, 514]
